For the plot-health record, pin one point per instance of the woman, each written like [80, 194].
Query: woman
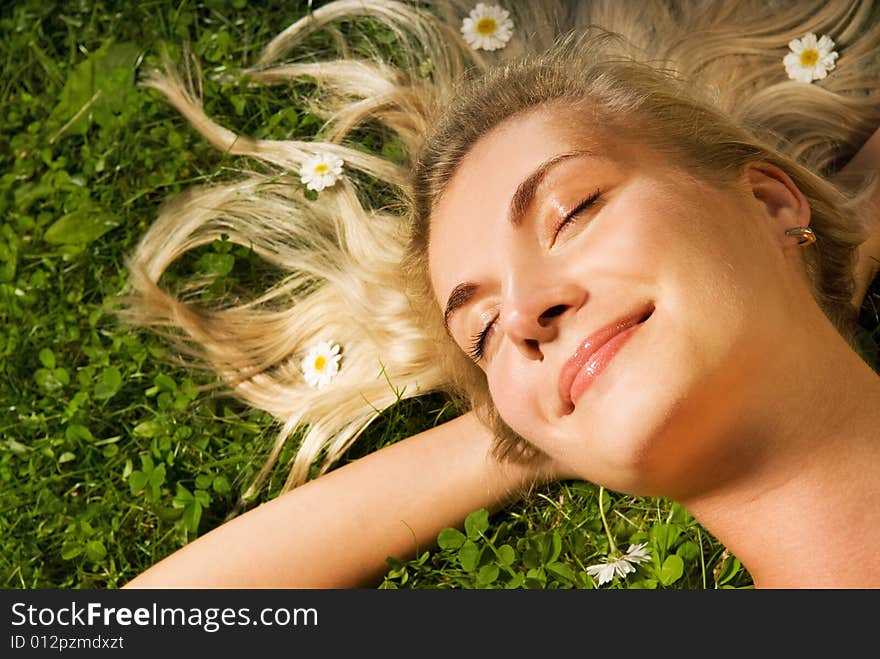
[625, 253]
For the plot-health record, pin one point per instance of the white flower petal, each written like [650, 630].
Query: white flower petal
[321, 171]
[804, 75]
[828, 61]
[825, 45]
[321, 364]
[604, 572]
[823, 53]
[622, 568]
[637, 553]
[482, 16]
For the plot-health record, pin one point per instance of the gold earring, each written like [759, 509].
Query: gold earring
[804, 235]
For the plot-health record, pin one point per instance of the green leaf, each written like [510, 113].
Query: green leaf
[97, 88]
[191, 516]
[49, 379]
[688, 550]
[148, 429]
[673, 568]
[183, 498]
[487, 574]
[562, 571]
[147, 463]
[451, 538]
[165, 383]
[215, 264]
[239, 103]
[70, 550]
[729, 569]
[506, 555]
[202, 497]
[663, 537]
[469, 556]
[532, 556]
[157, 476]
[67, 456]
[47, 358]
[95, 550]
[16, 447]
[476, 523]
[108, 383]
[137, 481]
[679, 514]
[552, 547]
[76, 432]
[643, 584]
[80, 226]
[395, 151]
[536, 578]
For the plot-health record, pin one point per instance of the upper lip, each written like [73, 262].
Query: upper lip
[589, 345]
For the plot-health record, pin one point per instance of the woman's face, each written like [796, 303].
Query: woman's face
[619, 307]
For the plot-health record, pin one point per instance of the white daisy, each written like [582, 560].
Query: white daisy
[321, 364]
[608, 569]
[321, 171]
[488, 27]
[810, 58]
[604, 572]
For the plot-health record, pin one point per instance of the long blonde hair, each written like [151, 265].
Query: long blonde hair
[704, 79]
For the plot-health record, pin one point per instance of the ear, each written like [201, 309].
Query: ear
[784, 203]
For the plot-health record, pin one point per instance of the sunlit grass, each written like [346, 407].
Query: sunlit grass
[111, 457]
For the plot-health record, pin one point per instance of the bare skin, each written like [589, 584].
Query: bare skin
[395, 501]
[805, 517]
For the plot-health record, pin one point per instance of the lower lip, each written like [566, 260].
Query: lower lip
[598, 361]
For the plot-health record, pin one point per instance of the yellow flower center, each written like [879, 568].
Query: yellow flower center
[321, 169]
[809, 57]
[320, 363]
[487, 26]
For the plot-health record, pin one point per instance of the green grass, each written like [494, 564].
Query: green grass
[111, 457]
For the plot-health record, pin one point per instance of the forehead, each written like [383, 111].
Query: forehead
[475, 204]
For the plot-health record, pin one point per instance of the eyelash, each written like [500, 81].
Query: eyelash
[478, 341]
[569, 217]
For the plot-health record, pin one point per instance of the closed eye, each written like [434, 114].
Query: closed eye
[478, 342]
[568, 219]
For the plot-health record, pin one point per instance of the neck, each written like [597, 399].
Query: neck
[806, 513]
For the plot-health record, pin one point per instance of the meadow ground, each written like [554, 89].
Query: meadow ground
[111, 455]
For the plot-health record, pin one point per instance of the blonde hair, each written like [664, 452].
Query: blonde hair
[704, 80]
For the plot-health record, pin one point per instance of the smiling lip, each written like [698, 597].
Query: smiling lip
[594, 353]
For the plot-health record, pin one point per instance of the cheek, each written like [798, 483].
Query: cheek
[514, 398]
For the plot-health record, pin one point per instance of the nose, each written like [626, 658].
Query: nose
[533, 313]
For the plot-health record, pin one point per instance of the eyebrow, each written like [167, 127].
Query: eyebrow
[519, 204]
[459, 297]
[525, 191]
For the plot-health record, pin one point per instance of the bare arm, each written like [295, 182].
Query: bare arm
[336, 531]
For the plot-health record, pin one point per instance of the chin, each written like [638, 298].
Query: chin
[643, 430]
[629, 450]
